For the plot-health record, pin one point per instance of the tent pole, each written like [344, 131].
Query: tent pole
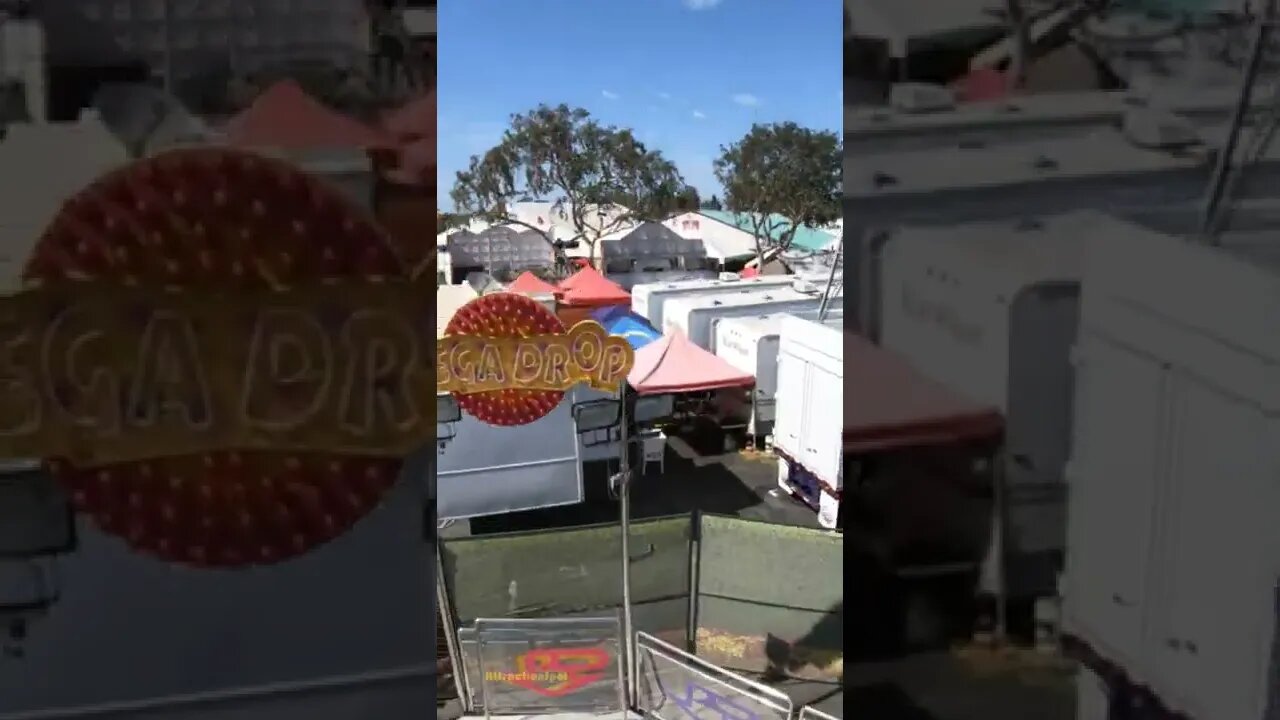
[624, 510]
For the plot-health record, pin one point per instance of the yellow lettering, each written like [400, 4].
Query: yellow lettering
[290, 370]
[382, 352]
[171, 380]
[77, 374]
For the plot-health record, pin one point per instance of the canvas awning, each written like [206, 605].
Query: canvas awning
[285, 117]
[588, 288]
[890, 405]
[673, 364]
[527, 282]
[624, 323]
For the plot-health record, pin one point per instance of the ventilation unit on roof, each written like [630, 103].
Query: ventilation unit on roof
[804, 285]
[1158, 129]
[730, 277]
[921, 98]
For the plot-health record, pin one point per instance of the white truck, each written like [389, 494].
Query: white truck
[751, 344]
[1173, 545]
[808, 434]
[697, 316]
[990, 310]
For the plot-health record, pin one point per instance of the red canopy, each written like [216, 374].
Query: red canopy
[285, 116]
[673, 364]
[890, 405]
[527, 282]
[588, 287]
[983, 84]
[415, 120]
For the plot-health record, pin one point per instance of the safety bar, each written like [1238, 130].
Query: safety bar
[809, 712]
[775, 699]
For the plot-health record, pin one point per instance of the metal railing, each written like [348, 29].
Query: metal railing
[701, 688]
[809, 712]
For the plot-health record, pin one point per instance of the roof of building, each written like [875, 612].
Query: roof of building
[806, 238]
[84, 150]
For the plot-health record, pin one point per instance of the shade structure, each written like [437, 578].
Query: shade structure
[415, 120]
[627, 325]
[284, 116]
[673, 364]
[890, 405]
[589, 288]
[527, 282]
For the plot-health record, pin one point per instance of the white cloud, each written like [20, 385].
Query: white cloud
[701, 4]
[664, 96]
[746, 99]
[699, 115]
[609, 94]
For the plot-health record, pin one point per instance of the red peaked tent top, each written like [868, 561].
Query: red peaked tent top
[588, 287]
[889, 405]
[527, 282]
[285, 116]
[674, 364]
[415, 120]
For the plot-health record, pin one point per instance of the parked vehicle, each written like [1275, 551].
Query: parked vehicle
[648, 300]
[990, 310]
[751, 344]
[808, 425]
[697, 316]
[1170, 582]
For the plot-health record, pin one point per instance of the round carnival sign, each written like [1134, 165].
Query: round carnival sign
[509, 361]
[239, 224]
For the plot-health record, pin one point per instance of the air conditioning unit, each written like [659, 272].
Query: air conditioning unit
[804, 285]
[1158, 129]
[921, 98]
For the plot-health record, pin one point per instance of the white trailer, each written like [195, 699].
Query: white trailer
[1127, 171]
[1173, 545]
[990, 310]
[751, 344]
[808, 434]
[648, 300]
[697, 316]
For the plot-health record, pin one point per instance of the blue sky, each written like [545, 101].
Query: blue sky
[686, 75]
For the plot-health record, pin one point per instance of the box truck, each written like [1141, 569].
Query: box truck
[751, 344]
[990, 310]
[1170, 587]
[808, 432]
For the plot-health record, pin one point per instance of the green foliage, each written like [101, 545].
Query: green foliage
[562, 153]
[784, 176]
[712, 204]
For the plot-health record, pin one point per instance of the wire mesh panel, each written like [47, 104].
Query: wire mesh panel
[574, 572]
[771, 598]
[548, 665]
[674, 685]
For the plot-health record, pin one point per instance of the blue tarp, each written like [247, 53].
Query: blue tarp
[624, 323]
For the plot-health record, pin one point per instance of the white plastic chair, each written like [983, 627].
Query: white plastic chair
[655, 450]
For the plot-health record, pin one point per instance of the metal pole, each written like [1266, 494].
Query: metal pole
[1226, 157]
[445, 609]
[624, 511]
[168, 46]
[831, 279]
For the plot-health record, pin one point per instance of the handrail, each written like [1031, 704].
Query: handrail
[809, 712]
[770, 696]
